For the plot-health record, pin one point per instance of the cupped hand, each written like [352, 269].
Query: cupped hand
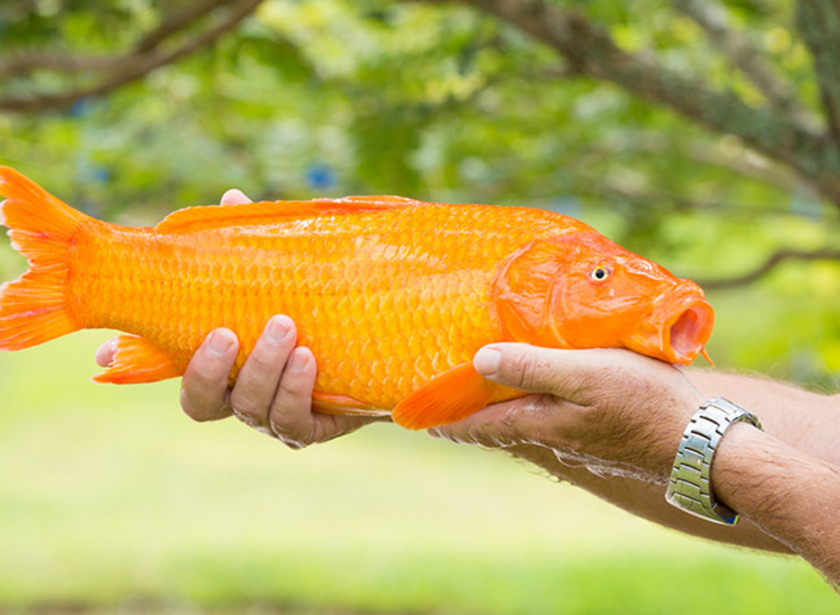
[615, 411]
[273, 390]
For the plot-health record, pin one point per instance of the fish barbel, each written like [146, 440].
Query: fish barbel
[393, 296]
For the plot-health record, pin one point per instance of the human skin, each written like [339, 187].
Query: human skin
[607, 420]
[271, 400]
[622, 415]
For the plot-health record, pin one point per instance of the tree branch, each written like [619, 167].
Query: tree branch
[138, 63]
[30, 60]
[590, 49]
[780, 95]
[176, 22]
[651, 198]
[771, 263]
[738, 160]
[647, 197]
[819, 22]
[746, 163]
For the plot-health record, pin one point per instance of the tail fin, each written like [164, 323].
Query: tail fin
[33, 308]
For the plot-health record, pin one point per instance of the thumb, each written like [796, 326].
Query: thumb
[520, 366]
[105, 353]
[580, 376]
[234, 197]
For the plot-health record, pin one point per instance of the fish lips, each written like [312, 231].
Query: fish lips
[678, 330]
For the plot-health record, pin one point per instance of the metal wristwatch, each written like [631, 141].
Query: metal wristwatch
[689, 487]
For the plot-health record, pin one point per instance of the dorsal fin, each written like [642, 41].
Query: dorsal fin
[194, 219]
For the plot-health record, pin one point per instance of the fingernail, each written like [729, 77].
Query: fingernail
[278, 328]
[486, 361]
[219, 342]
[299, 360]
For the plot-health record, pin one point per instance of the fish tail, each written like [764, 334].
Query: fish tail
[33, 308]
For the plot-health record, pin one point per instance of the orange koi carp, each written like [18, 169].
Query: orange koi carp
[393, 296]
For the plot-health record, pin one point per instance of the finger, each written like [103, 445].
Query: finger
[521, 366]
[257, 382]
[291, 417]
[105, 353]
[329, 426]
[575, 375]
[234, 197]
[506, 424]
[204, 388]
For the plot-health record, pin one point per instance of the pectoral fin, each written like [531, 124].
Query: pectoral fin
[137, 361]
[448, 398]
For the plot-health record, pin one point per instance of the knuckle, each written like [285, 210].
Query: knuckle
[202, 383]
[262, 362]
[285, 424]
[523, 370]
[290, 435]
[280, 423]
[243, 403]
[208, 370]
[592, 386]
[290, 390]
[254, 423]
[295, 388]
[247, 419]
[197, 410]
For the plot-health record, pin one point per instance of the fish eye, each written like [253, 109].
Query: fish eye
[599, 274]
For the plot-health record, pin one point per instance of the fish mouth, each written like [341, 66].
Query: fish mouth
[685, 334]
[678, 331]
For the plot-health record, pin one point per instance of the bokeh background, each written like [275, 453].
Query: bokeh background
[704, 135]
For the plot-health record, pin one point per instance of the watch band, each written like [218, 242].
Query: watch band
[689, 487]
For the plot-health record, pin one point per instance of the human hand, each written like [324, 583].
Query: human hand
[273, 390]
[615, 411]
[272, 393]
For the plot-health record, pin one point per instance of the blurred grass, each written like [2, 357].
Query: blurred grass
[110, 498]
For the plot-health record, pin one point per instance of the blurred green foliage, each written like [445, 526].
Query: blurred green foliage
[113, 501]
[330, 97]
[333, 97]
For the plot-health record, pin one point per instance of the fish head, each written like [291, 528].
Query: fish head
[605, 296]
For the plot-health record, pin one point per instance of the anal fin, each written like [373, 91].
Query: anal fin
[136, 361]
[447, 398]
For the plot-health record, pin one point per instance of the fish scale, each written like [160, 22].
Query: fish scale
[393, 296]
[391, 315]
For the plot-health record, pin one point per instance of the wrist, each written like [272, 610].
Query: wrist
[786, 492]
[753, 470]
[690, 485]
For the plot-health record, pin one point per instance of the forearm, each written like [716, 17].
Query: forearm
[789, 494]
[807, 421]
[801, 419]
[647, 500]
